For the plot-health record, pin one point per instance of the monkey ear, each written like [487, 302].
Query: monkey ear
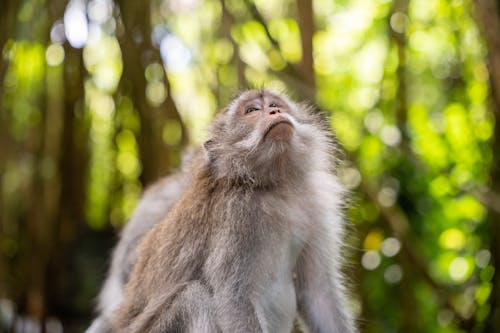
[208, 149]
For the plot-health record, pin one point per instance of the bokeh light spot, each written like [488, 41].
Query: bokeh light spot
[391, 246]
[350, 177]
[100, 10]
[458, 269]
[174, 53]
[373, 240]
[370, 260]
[156, 93]
[390, 135]
[172, 132]
[452, 239]
[387, 196]
[374, 121]
[75, 24]
[482, 258]
[399, 22]
[57, 33]
[393, 274]
[54, 55]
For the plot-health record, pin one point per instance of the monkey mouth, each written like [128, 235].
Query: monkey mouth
[281, 129]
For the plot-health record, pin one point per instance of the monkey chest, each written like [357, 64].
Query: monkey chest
[275, 299]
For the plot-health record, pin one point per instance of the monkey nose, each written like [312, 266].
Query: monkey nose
[275, 111]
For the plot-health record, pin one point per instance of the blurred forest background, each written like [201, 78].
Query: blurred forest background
[98, 98]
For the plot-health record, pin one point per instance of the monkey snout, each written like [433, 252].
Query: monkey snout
[281, 129]
[275, 111]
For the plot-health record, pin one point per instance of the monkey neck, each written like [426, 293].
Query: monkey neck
[280, 174]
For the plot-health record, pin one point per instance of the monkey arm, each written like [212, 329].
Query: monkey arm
[320, 293]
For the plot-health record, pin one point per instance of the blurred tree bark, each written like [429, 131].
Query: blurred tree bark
[489, 17]
[228, 22]
[7, 26]
[72, 167]
[410, 311]
[399, 37]
[37, 214]
[52, 206]
[306, 23]
[62, 192]
[157, 158]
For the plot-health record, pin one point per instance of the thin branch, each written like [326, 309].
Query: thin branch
[289, 74]
[259, 18]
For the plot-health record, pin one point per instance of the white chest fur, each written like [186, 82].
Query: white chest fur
[274, 297]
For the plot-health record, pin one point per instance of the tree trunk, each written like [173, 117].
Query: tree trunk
[156, 156]
[228, 22]
[489, 17]
[7, 24]
[306, 23]
[39, 219]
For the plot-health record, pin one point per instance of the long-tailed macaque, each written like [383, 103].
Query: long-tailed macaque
[255, 237]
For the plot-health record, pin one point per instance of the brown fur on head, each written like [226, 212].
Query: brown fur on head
[262, 138]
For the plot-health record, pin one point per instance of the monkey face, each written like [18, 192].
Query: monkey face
[266, 115]
[257, 123]
[258, 131]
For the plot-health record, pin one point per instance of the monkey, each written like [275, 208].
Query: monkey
[256, 236]
[155, 203]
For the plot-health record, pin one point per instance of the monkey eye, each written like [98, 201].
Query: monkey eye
[250, 109]
[274, 105]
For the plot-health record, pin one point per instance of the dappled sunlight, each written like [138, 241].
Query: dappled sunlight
[76, 25]
[99, 98]
[54, 55]
[174, 54]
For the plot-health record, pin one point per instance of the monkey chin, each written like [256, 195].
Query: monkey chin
[279, 131]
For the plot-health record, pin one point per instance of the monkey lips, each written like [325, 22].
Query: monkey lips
[280, 129]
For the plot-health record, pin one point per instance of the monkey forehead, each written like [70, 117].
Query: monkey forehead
[260, 94]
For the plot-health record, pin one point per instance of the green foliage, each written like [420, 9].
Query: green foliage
[407, 91]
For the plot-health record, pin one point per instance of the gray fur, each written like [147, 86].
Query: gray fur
[154, 205]
[255, 238]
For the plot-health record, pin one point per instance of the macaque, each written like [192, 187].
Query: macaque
[255, 237]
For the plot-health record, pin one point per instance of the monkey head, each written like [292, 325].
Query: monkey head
[261, 137]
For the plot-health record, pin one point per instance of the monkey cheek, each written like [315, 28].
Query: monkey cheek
[282, 132]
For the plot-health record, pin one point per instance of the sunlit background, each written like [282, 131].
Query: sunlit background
[98, 99]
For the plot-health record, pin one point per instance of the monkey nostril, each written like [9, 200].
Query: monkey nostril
[275, 111]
